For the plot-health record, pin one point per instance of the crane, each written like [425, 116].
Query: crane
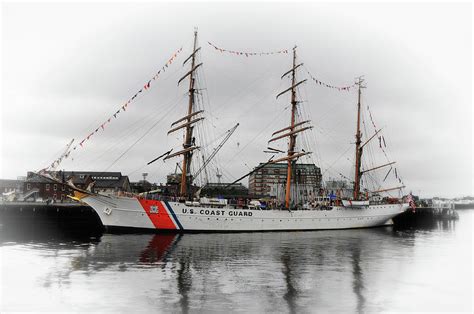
[216, 150]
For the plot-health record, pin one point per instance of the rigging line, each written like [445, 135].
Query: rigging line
[98, 119]
[201, 73]
[136, 170]
[164, 79]
[311, 140]
[229, 175]
[373, 123]
[56, 154]
[306, 112]
[340, 156]
[320, 119]
[139, 139]
[121, 138]
[203, 131]
[258, 135]
[244, 89]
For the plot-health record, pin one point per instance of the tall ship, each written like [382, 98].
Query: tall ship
[188, 212]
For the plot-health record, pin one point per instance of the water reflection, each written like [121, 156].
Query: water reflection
[184, 282]
[345, 270]
[291, 293]
[358, 283]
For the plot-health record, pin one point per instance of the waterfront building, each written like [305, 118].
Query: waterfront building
[10, 185]
[270, 181]
[341, 188]
[236, 190]
[37, 187]
[10, 189]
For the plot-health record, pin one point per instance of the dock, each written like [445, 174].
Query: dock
[424, 217]
[73, 217]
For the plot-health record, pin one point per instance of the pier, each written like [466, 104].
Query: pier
[69, 217]
[424, 217]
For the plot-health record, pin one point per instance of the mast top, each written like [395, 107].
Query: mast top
[359, 81]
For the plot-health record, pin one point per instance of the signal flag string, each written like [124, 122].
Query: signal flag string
[123, 108]
[383, 146]
[321, 83]
[246, 53]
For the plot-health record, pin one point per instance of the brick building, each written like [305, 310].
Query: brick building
[37, 187]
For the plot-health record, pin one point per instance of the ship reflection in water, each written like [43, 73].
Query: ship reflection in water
[366, 270]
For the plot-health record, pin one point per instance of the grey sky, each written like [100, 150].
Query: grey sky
[68, 67]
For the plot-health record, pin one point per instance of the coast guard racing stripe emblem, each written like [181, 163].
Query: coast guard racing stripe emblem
[160, 215]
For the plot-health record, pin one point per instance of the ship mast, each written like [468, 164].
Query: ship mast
[292, 130]
[358, 151]
[189, 129]
[360, 148]
[187, 122]
[291, 145]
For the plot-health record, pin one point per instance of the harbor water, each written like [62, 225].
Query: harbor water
[342, 271]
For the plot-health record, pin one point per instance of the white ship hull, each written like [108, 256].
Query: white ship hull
[125, 212]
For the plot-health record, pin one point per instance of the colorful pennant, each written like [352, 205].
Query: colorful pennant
[146, 86]
[242, 53]
[321, 83]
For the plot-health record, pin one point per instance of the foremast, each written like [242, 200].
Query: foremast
[187, 122]
[292, 130]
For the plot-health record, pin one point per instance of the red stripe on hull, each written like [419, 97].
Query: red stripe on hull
[160, 219]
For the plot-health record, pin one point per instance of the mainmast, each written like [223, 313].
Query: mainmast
[187, 122]
[359, 148]
[291, 145]
[292, 130]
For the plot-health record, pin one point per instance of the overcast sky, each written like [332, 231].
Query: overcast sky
[67, 67]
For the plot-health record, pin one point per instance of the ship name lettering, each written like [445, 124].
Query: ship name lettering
[239, 213]
[185, 210]
[212, 212]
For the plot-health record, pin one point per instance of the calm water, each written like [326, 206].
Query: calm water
[369, 270]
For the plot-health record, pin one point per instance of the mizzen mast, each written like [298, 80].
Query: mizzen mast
[187, 122]
[292, 129]
[359, 148]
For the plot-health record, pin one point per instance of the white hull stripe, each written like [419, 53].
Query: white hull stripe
[175, 218]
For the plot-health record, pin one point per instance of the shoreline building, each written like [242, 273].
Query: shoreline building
[227, 190]
[270, 181]
[340, 188]
[37, 187]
